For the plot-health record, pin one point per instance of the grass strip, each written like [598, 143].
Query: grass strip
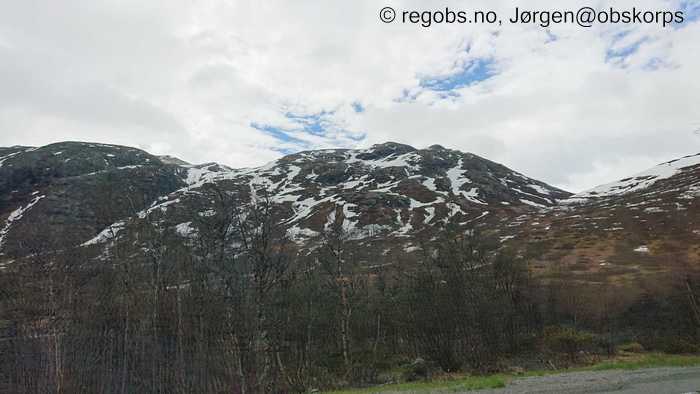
[628, 362]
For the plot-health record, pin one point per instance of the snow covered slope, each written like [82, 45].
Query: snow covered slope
[389, 189]
[640, 181]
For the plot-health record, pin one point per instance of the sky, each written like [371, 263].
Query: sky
[245, 82]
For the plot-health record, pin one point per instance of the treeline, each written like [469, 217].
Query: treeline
[237, 308]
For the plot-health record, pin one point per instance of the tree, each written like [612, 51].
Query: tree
[342, 277]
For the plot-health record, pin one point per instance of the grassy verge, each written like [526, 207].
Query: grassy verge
[461, 383]
[649, 360]
[444, 385]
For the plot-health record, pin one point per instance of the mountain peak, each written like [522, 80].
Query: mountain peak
[393, 146]
[167, 159]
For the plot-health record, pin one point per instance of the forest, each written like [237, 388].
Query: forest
[237, 307]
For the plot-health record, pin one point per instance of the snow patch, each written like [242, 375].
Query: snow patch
[539, 189]
[185, 229]
[457, 178]
[642, 249]
[15, 216]
[298, 234]
[405, 227]
[107, 234]
[2, 159]
[429, 183]
[531, 203]
[430, 215]
[411, 248]
[162, 206]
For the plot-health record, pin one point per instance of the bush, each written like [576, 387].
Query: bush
[419, 369]
[671, 344]
[603, 344]
[567, 340]
[631, 347]
[679, 346]
[363, 374]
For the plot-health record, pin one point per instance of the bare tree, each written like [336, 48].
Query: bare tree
[337, 261]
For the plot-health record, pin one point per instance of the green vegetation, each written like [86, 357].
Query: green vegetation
[567, 340]
[455, 384]
[650, 360]
[631, 347]
[447, 385]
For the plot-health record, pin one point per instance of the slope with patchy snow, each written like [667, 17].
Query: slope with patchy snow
[640, 181]
[389, 190]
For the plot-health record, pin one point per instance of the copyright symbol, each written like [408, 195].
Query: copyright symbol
[585, 16]
[387, 14]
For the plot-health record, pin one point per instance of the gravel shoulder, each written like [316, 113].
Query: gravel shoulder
[670, 380]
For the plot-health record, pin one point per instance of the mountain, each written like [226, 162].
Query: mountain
[73, 190]
[644, 228]
[390, 189]
[390, 196]
[674, 176]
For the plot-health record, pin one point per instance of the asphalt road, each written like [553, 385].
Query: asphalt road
[644, 381]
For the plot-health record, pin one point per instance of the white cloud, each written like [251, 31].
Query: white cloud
[191, 80]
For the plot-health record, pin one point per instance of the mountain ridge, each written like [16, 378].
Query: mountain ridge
[389, 193]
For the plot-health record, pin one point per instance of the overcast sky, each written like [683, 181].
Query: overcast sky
[244, 82]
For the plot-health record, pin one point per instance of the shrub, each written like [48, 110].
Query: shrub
[631, 347]
[679, 346]
[567, 340]
[419, 369]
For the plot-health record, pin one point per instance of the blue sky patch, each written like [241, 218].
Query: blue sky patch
[315, 124]
[476, 71]
[654, 64]
[278, 133]
[691, 10]
[358, 107]
[619, 55]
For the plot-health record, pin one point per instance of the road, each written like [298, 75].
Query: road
[644, 381]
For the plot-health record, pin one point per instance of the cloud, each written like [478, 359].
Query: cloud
[244, 82]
